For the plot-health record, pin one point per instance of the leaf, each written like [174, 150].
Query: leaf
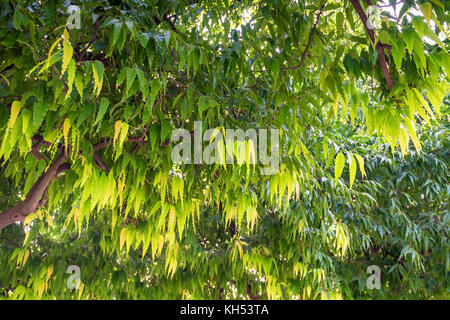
[16, 106]
[420, 51]
[143, 84]
[117, 128]
[123, 236]
[325, 146]
[408, 36]
[412, 132]
[5, 78]
[426, 10]
[123, 133]
[116, 33]
[153, 135]
[352, 169]
[49, 273]
[131, 75]
[438, 3]
[361, 164]
[339, 165]
[203, 103]
[26, 116]
[423, 102]
[66, 129]
[71, 77]
[17, 19]
[79, 84]
[39, 113]
[154, 91]
[171, 222]
[97, 71]
[25, 257]
[398, 53]
[165, 128]
[51, 50]
[102, 110]
[403, 139]
[67, 55]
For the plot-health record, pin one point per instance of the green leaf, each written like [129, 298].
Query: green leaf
[398, 53]
[79, 84]
[165, 128]
[39, 113]
[203, 103]
[131, 75]
[17, 19]
[143, 83]
[102, 110]
[153, 135]
[116, 32]
[155, 87]
[409, 36]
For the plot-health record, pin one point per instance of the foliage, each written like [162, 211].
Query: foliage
[85, 123]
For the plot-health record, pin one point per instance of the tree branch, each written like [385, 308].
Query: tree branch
[311, 36]
[99, 160]
[36, 196]
[380, 47]
[38, 140]
[33, 199]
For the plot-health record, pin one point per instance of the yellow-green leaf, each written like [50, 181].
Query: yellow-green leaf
[403, 139]
[438, 3]
[352, 170]
[67, 55]
[66, 132]
[426, 10]
[361, 164]
[71, 77]
[423, 102]
[15, 110]
[123, 236]
[51, 50]
[117, 127]
[412, 133]
[339, 165]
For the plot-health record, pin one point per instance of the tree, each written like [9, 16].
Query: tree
[86, 118]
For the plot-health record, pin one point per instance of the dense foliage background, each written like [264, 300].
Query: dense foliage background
[86, 176]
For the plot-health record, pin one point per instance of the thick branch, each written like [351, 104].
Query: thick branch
[33, 199]
[99, 160]
[38, 140]
[36, 196]
[380, 47]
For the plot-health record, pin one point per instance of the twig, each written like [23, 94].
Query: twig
[311, 36]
